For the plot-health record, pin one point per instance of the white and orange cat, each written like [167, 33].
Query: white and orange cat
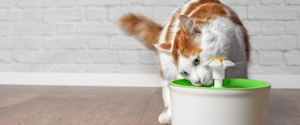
[198, 31]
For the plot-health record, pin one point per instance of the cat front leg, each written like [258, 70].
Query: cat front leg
[166, 93]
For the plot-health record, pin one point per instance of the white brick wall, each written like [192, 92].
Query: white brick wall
[80, 35]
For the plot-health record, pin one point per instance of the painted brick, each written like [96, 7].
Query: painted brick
[68, 68]
[271, 2]
[98, 29]
[29, 4]
[6, 29]
[163, 13]
[32, 15]
[281, 70]
[125, 42]
[11, 43]
[131, 2]
[10, 15]
[292, 57]
[64, 3]
[34, 67]
[66, 29]
[101, 56]
[271, 70]
[148, 57]
[100, 42]
[177, 2]
[239, 2]
[102, 68]
[97, 2]
[128, 56]
[155, 2]
[72, 43]
[57, 57]
[273, 42]
[272, 13]
[43, 57]
[253, 27]
[256, 70]
[81, 35]
[34, 29]
[134, 68]
[63, 15]
[7, 3]
[241, 11]
[292, 2]
[270, 58]
[292, 28]
[272, 27]
[33, 43]
[28, 56]
[12, 67]
[5, 57]
[115, 12]
[95, 14]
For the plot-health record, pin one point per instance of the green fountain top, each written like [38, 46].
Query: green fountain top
[228, 84]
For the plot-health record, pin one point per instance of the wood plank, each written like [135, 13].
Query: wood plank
[134, 107]
[118, 105]
[11, 95]
[153, 110]
[46, 108]
[65, 105]
[283, 110]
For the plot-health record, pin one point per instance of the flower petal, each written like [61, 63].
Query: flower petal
[228, 63]
[215, 63]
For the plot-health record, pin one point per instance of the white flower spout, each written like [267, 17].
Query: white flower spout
[218, 66]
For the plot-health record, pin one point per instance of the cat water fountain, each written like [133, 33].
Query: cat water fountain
[226, 102]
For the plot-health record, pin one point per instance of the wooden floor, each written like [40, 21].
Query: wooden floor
[52, 105]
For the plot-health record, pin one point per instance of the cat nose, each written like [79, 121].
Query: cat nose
[198, 82]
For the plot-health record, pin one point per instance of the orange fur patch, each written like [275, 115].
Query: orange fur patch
[141, 27]
[169, 33]
[185, 45]
[197, 4]
[208, 12]
[161, 73]
[166, 46]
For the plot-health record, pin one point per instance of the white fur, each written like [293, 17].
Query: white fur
[166, 93]
[166, 60]
[223, 39]
[220, 38]
[167, 65]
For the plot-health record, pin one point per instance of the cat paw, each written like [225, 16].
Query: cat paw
[164, 118]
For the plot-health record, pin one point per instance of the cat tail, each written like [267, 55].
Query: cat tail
[141, 27]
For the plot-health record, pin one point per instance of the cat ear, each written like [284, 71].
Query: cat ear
[189, 26]
[166, 47]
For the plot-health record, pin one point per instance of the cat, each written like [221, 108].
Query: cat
[196, 32]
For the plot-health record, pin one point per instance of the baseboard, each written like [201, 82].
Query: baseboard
[120, 80]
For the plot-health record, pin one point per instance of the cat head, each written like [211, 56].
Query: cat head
[187, 51]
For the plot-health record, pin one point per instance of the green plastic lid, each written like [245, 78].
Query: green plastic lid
[228, 84]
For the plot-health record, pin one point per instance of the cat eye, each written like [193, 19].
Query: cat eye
[197, 60]
[184, 73]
